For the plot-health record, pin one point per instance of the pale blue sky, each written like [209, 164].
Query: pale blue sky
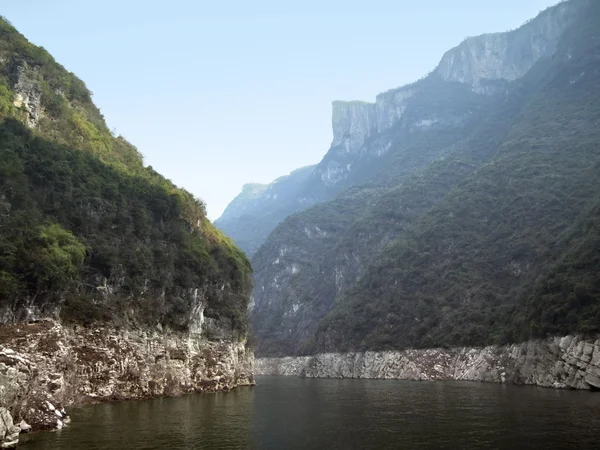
[216, 94]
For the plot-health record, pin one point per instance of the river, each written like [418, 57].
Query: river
[295, 413]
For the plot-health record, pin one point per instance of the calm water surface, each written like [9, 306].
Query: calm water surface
[294, 413]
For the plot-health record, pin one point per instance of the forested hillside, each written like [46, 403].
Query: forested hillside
[87, 231]
[464, 273]
[476, 246]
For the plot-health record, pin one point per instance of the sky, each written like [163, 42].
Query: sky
[216, 94]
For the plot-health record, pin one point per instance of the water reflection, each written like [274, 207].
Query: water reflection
[293, 413]
[219, 421]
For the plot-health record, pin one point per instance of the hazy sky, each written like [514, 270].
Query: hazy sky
[217, 94]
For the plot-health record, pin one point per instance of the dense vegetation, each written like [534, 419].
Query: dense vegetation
[479, 247]
[512, 252]
[85, 228]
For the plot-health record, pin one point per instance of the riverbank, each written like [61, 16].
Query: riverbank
[568, 362]
[46, 367]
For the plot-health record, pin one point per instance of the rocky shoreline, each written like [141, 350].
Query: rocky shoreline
[570, 362]
[46, 366]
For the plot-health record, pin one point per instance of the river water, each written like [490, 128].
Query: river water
[295, 413]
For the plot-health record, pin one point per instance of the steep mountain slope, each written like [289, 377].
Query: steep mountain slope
[364, 134]
[89, 236]
[338, 239]
[84, 218]
[464, 274]
[313, 257]
[253, 214]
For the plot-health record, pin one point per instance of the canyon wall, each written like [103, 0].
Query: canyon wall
[46, 366]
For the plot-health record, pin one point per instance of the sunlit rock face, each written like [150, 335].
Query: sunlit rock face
[479, 61]
[390, 107]
[352, 124]
[47, 362]
[27, 94]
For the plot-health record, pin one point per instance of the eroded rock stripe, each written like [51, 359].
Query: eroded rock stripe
[567, 362]
[46, 363]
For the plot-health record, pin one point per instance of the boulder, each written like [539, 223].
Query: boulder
[24, 426]
[9, 432]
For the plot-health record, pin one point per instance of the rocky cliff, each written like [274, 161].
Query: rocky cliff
[489, 61]
[352, 123]
[362, 131]
[568, 362]
[46, 366]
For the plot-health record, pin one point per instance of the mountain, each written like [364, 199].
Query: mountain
[365, 134]
[445, 215]
[253, 214]
[73, 194]
[113, 283]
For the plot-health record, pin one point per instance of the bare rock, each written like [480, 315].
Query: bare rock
[569, 362]
[24, 426]
[28, 95]
[45, 367]
[9, 433]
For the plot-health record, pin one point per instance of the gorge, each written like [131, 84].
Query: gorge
[451, 233]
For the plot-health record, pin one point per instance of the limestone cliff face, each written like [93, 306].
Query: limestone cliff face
[352, 124]
[484, 63]
[359, 136]
[24, 80]
[391, 106]
[500, 57]
[46, 362]
[362, 134]
[567, 362]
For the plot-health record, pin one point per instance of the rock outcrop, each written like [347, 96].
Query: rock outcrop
[567, 362]
[352, 123]
[46, 366]
[501, 57]
[28, 95]
[9, 433]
